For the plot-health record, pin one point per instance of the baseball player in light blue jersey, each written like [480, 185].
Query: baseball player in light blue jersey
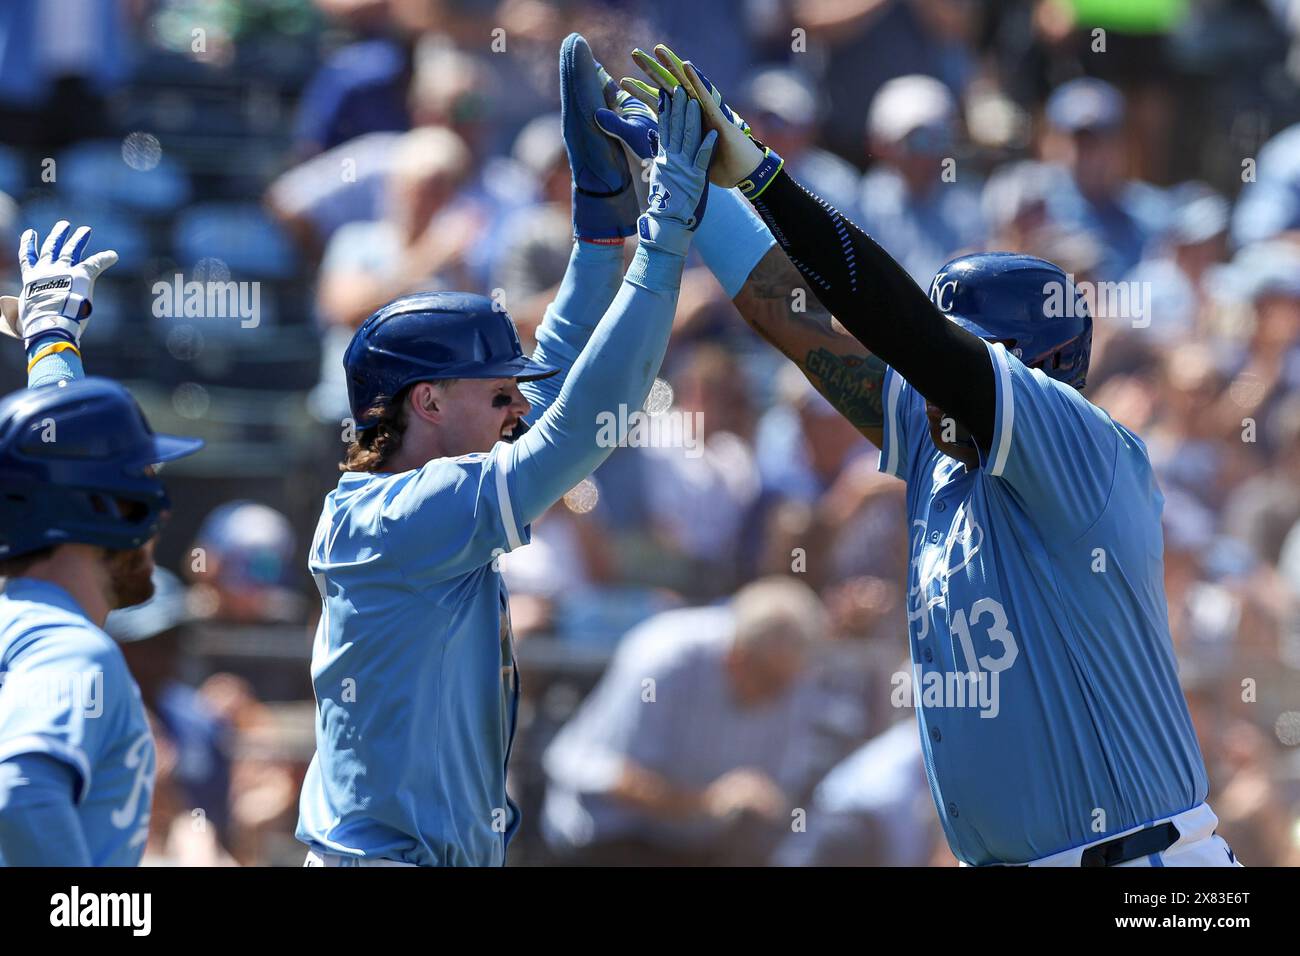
[80, 507]
[1053, 727]
[462, 442]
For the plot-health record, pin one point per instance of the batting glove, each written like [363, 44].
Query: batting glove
[668, 72]
[628, 120]
[742, 161]
[679, 179]
[604, 202]
[57, 285]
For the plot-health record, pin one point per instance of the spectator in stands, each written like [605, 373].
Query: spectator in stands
[1214, 612]
[348, 182]
[566, 560]
[1253, 807]
[732, 28]
[1262, 509]
[531, 245]
[873, 809]
[1186, 434]
[688, 750]
[359, 89]
[1179, 274]
[691, 485]
[316, 198]
[244, 565]
[194, 738]
[483, 67]
[1269, 204]
[823, 494]
[917, 201]
[1092, 192]
[869, 42]
[1258, 346]
[1014, 204]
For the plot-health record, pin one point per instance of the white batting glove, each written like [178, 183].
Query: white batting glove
[57, 285]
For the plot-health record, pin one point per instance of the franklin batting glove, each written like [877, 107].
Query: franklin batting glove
[57, 285]
[604, 202]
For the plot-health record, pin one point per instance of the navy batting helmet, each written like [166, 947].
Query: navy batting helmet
[73, 462]
[1026, 303]
[430, 336]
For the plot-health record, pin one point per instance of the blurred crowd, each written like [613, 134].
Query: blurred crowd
[343, 152]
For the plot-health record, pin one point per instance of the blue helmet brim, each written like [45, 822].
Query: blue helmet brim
[521, 369]
[532, 371]
[973, 327]
[171, 447]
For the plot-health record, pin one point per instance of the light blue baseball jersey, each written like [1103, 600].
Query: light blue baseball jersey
[412, 594]
[413, 666]
[67, 693]
[1041, 574]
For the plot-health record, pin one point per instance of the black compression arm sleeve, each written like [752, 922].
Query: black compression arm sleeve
[870, 294]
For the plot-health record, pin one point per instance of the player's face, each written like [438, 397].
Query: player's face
[130, 575]
[481, 412]
[950, 438]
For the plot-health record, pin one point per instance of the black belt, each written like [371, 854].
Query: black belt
[1131, 847]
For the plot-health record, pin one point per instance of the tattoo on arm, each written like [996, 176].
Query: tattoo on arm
[777, 304]
[852, 383]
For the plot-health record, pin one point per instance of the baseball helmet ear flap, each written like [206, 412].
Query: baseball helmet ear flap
[1027, 303]
[431, 336]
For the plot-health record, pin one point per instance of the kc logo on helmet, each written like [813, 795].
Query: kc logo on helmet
[943, 293]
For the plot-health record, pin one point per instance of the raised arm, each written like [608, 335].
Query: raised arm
[604, 214]
[870, 294]
[620, 361]
[767, 289]
[55, 305]
[776, 304]
[880, 305]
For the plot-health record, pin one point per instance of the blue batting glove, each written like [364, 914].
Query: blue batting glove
[604, 201]
[679, 179]
[630, 121]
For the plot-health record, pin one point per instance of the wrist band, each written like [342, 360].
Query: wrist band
[51, 349]
[752, 186]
